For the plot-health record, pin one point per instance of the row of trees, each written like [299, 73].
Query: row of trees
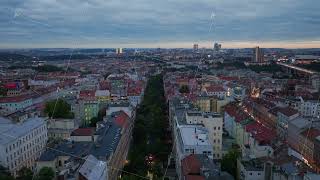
[149, 134]
[272, 68]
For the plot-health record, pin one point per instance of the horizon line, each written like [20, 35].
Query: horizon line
[173, 45]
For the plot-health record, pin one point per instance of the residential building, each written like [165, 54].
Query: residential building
[120, 106]
[199, 166]
[215, 90]
[213, 122]
[93, 169]
[251, 170]
[284, 116]
[191, 139]
[62, 128]
[13, 104]
[108, 143]
[309, 108]
[303, 136]
[21, 143]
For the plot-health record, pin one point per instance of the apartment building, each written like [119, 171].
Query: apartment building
[21, 143]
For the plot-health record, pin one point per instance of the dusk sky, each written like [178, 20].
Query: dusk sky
[159, 23]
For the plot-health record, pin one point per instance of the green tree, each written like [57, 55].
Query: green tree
[184, 89]
[229, 162]
[93, 122]
[45, 173]
[101, 113]
[25, 174]
[5, 174]
[58, 109]
[48, 68]
[149, 133]
[3, 91]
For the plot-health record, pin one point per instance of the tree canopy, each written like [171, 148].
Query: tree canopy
[25, 174]
[45, 173]
[229, 162]
[58, 109]
[149, 133]
[184, 89]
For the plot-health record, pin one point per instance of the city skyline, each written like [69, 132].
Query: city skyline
[172, 24]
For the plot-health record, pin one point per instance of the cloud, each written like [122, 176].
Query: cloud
[147, 21]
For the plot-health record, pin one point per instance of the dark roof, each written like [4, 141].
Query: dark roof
[288, 111]
[109, 137]
[75, 149]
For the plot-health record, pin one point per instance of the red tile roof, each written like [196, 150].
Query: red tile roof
[260, 133]
[122, 119]
[190, 165]
[83, 132]
[12, 85]
[14, 99]
[311, 133]
[87, 94]
[215, 88]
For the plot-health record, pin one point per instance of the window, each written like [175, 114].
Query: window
[250, 174]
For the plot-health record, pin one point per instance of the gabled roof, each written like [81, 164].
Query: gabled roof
[121, 119]
[190, 165]
[93, 169]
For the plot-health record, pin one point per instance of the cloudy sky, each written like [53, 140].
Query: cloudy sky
[159, 23]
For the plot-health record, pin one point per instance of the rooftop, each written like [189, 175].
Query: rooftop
[109, 137]
[83, 132]
[300, 122]
[194, 135]
[253, 165]
[93, 169]
[288, 111]
[311, 133]
[72, 149]
[11, 131]
[215, 88]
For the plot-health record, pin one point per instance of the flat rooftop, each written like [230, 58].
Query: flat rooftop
[194, 135]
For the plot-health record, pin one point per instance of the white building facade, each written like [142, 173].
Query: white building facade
[21, 144]
[213, 122]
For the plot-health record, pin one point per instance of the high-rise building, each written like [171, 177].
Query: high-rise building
[195, 47]
[119, 51]
[258, 55]
[217, 46]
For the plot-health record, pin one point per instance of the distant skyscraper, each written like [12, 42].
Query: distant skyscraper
[195, 47]
[119, 51]
[217, 46]
[258, 55]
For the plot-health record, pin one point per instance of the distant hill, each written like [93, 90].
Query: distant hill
[13, 56]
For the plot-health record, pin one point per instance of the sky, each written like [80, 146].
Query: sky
[159, 23]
